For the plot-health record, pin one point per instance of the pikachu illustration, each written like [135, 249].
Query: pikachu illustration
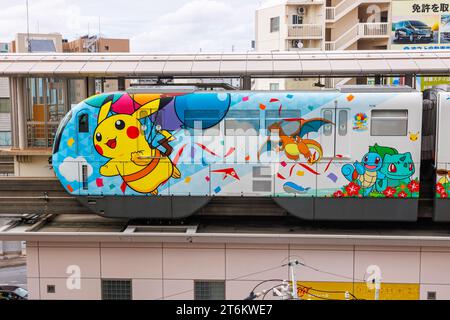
[413, 136]
[120, 138]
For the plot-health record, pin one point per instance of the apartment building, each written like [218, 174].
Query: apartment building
[311, 25]
[96, 43]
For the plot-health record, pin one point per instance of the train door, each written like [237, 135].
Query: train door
[327, 136]
[84, 148]
[342, 133]
[442, 188]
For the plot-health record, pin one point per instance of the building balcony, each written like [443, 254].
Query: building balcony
[41, 134]
[305, 31]
[342, 8]
[359, 31]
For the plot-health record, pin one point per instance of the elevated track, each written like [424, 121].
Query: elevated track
[47, 196]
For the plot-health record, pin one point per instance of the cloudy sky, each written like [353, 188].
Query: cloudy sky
[152, 25]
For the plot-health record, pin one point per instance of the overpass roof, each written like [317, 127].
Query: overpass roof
[255, 64]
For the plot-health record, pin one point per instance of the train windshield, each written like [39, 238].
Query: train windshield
[61, 127]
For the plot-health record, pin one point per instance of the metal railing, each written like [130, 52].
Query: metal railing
[41, 134]
[360, 30]
[373, 29]
[305, 31]
[332, 13]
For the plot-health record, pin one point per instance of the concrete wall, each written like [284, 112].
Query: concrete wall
[266, 40]
[168, 270]
[37, 167]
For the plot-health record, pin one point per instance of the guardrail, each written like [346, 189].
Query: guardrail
[305, 31]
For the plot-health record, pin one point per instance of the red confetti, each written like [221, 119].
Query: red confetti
[99, 182]
[279, 110]
[274, 100]
[331, 160]
[177, 156]
[69, 187]
[207, 178]
[283, 164]
[280, 176]
[230, 151]
[123, 186]
[290, 171]
[206, 149]
[309, 169]
[262, 106]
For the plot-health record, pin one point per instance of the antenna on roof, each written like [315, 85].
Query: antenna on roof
[28, 30]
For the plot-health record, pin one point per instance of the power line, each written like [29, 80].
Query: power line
[232, 279]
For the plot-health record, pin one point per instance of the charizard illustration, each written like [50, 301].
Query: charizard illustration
[291, 132]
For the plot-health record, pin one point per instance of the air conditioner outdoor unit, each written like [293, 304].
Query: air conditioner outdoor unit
[301, 10]
[298, 44]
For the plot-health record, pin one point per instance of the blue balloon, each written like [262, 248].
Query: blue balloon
[202, 110]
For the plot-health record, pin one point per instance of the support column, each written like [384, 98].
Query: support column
[410, 80]
[14, 112]
[246, 83]
[90, 86]
[21, 119]
[121, 83]
[377, 79]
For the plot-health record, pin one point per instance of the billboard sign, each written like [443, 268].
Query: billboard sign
[420, 25]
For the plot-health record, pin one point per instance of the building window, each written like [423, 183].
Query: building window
[274, 86]
[5, 106]
[275, 24]
[209, 290]
[83, 123]
[431, 295]
[5, 138]
[296, 19]
[116, 289]
[51, 288]
[389, 123]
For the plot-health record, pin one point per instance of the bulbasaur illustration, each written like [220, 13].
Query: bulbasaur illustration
[397, 169]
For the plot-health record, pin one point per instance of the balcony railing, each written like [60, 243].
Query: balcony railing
[358, 31]
[41, 134]
[305, 31]
[373, 29]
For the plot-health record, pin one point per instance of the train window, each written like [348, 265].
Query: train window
[242, 123]
[60, 129]
[83, 122]
[213, 131]
[389, 123]
[84, 176]
[342, 129]
[328, 128]
[273, 116]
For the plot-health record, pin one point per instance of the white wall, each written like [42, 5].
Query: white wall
[168, 270]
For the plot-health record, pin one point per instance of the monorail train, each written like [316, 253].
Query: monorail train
[357, 153]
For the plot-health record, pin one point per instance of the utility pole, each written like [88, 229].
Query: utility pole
[28, 30]
[377, 288]
[291, 265]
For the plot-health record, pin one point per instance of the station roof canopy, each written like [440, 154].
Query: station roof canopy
[254, 64]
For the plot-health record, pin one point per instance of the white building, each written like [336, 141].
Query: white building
[312, 25]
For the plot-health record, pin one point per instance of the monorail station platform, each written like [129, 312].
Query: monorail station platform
[91, 257]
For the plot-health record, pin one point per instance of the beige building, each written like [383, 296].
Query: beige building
[317, 25]
[90, 257]
[97, 44]
[37, 42]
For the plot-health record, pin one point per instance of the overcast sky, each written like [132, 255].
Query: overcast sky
[163, 25]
